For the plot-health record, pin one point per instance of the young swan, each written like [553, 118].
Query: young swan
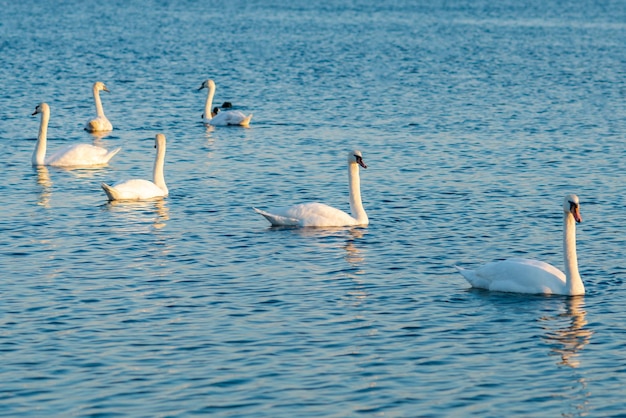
[100, 123]
[75, 155]
[138, 189]
[222, 118]
[321, 215]
[520, 275]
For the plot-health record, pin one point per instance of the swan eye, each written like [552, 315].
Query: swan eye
[572, 205]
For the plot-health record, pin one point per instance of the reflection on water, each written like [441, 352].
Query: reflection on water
[567, 335]
[137, 210]
[209, 129]
[568, 339]
[354, 254]
[98, 137]
[43, 180]
[162, 214]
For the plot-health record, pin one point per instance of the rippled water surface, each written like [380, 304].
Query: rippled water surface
[474, 118]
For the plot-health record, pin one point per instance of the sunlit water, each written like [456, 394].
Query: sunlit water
[474, 119]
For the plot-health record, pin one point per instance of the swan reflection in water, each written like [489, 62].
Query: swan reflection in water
[568, 340]
[346, 238]
[567, 333]
[43, 180]
[354, 254]
[137, 210]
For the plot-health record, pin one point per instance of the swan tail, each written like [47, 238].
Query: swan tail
[111, 193]
[112, 153]
[247, 120]
[472, 278]
[277, 220]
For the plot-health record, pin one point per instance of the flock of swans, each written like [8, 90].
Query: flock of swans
[515, 275]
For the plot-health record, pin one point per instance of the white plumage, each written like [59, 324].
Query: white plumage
[221, 118]
[322, 215]
[520, 275]
[74, 155]
[139, 189]
[100, 123]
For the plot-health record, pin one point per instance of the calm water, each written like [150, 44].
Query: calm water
[474, 119]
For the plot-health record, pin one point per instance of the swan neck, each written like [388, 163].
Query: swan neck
[96, 98]
[356, 205]
[572, 276]
[158, 177]
[39, 155]
[208, 105]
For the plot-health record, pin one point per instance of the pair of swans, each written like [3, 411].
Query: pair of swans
[139, 189]
[75, 155]
[515, 275]
[321, 215]
[86, 155]
[100, 123]
[215, 117]
[519, 275]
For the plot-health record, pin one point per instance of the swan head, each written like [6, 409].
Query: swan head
[99, 85]
[41, 108]
[159, 141]
[207, 84]
[571, 204]
[355, 157]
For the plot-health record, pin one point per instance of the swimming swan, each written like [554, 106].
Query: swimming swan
[100, 123]
[138, 189]
[223, 118]
[536, 277]
[321, 215]
[75, 155]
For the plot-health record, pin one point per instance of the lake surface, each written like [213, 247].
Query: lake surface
[475, 118]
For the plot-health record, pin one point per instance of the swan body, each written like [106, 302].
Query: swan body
[321, 215]
[139, 189]
[520, 275]
[100, 123]
[74, 155]
[221, 118]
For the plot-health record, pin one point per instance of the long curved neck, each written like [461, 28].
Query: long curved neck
[157, 174]
[96, 98]
[572, 277]
[208, 105]
[39, 155]
[356, 205]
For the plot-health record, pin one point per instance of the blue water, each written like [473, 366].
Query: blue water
[474, 118]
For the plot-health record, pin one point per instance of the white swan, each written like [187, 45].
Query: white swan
[138, 189]
[222, 118]
[100, 123]
[321, 215]
[520, 275]
[75, 155]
